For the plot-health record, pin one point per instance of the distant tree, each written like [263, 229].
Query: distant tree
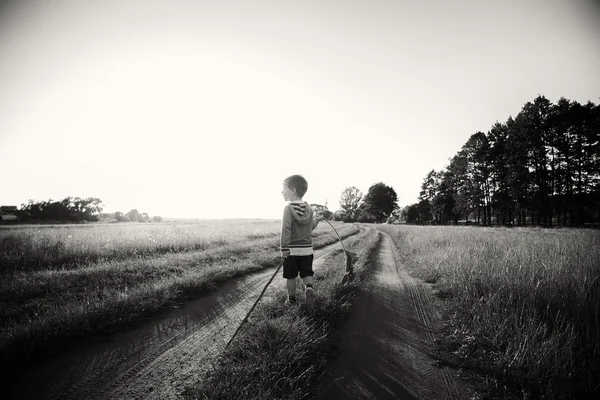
[87, 208]
[430, 185]
[563, 126]
[135, 216]
[532, 132]
[156, 218]
[541, 167]
[67, 210]
[411, 214]
[349, 202]
[380, 201]
[476, 152]
[338, 215]
[425, 215]
[502, 201]
[446, 204]
[585, 160]
[430, 191]
[364, 214]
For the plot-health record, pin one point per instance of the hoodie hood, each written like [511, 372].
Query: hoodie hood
[301, 212]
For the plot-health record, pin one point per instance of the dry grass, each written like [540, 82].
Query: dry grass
[45, 307]
[523, 303]
[68, 247]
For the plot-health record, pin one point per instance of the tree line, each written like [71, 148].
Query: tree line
[76, 209]
[69, 209]
[541, 167]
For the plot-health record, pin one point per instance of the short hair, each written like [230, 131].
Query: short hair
[297, 182]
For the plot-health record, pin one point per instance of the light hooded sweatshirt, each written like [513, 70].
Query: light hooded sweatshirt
[296, 228]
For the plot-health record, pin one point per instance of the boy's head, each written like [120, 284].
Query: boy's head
[294, 187]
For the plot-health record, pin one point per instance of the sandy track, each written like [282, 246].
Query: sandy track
[387, 349]
[156, 360]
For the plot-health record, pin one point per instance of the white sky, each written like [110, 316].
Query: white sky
[202, 108]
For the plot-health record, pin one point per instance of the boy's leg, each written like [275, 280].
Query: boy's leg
[306, 273]
[290, 272]
[291, 288]
[306, 270]
[308, 281]
[309, 292]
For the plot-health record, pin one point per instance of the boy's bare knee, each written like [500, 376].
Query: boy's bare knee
[307, 280]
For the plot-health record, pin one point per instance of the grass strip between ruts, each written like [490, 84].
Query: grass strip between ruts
[283, 351]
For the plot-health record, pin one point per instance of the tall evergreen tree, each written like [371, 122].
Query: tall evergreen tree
[542, 166]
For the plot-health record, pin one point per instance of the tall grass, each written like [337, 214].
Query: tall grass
[524, 303]
[66, 247]
[42, 308]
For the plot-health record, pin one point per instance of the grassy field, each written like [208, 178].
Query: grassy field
[44, 247]
[522, 305]
[283, 352]
[60, 283]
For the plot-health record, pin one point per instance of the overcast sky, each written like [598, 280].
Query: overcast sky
[201, 108]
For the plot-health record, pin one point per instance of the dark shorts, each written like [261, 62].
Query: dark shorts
[294, 265]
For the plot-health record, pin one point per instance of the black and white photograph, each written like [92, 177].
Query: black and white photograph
[299, 199]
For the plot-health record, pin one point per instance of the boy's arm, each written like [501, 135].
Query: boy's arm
[286, 231]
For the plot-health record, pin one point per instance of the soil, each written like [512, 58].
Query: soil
[157, 358]
[387, 348]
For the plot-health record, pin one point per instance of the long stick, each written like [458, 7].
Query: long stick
[255, 303]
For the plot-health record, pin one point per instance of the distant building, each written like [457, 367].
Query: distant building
[8, 213]
[8, 209]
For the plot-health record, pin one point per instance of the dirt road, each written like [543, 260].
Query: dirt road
[155, 360]
[387, 349]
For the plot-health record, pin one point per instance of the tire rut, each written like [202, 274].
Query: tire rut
[387, 348]
[158, 359]
[425, 310]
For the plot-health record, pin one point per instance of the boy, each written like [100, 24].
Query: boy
[296, 238]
